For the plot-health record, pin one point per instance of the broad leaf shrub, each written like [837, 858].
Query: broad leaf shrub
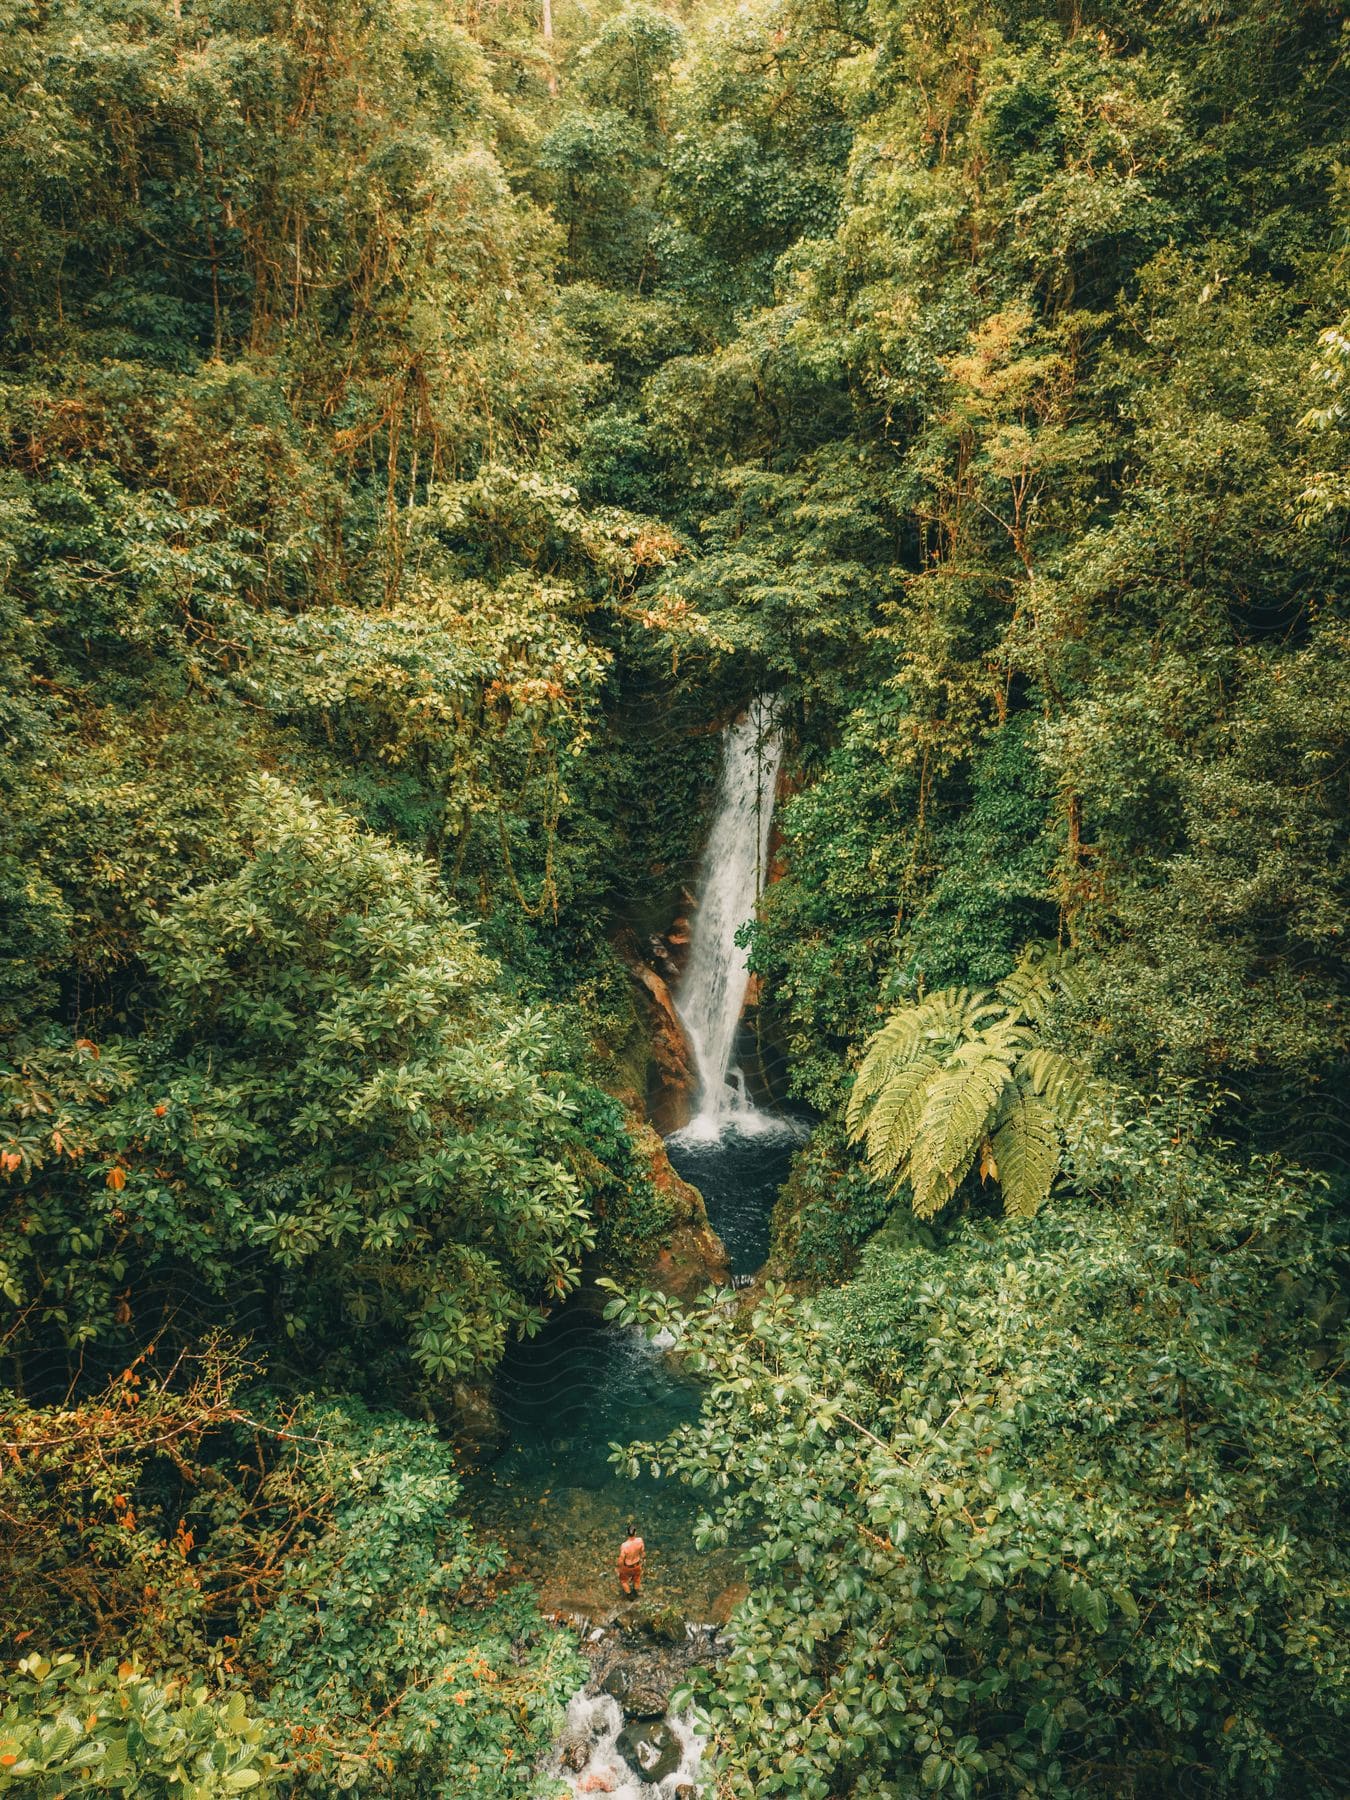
[1052, 1511]
[215, 1540]
[333, 1114]
[68, 1730]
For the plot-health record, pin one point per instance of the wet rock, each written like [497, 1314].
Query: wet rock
[639, 1691]
[600, 1781]
[728, 1600]
[694, 1259]
[575, 1614]
[694, 1256]
[685, 1791]
[663, 1624]
[646, 1700]
[475, 1422]
[662, 955]
[671, 1080]
[574, 1755]
[651, 1751]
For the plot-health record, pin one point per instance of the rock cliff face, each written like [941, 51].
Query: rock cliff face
[694, 1255]
[655, 966]
[670, 1077]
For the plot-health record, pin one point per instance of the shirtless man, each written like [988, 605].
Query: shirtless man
[632, 1555]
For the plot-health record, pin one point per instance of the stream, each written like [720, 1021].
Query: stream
[581, 1386]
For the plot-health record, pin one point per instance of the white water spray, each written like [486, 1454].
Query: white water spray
[711, 993]
[594, 1722]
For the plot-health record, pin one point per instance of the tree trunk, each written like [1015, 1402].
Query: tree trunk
[548, 41]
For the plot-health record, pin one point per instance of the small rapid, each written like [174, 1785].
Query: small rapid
[600, 1752]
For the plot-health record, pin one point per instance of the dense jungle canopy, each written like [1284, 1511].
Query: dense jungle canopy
[424, 425]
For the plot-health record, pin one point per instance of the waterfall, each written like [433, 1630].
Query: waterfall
[711, 993]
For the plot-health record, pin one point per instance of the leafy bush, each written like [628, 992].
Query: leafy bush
[827, 1210]
[332, 1108]
[67, 1729]
[312, 1550]
[1054, 1510]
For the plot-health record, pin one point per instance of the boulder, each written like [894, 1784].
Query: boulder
[617, 1683]
[639, 1691]
[474, 1421]
[694, 1257]
[727, 1601]
[663, 1624]
[651, 1751]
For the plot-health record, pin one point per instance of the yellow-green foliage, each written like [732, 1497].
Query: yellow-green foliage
[961, 1077]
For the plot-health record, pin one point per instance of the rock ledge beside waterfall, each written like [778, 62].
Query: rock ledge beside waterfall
[693, 1256]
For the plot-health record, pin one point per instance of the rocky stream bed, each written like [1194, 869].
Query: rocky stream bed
[621, 1736]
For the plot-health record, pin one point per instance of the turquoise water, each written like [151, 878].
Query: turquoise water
[552, 1497]
[739, 1175]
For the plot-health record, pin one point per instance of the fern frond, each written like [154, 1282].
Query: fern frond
[959, 1108]
[931, 1191]
[1059, 1081]
[1042, 975]
[938, 1017]
[896, 1112]
[1027, 1150]
[1032, 985]
[959, 1072]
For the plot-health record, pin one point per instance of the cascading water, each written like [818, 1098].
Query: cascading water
[581, 1385]
[711, 993]
[596, 1761]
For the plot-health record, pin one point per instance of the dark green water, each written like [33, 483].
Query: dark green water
[739, 1175]
[565, 1396]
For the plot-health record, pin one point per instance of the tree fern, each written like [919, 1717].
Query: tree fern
[1030, 988]
[961, 1075]
[961, 1099]
[897, 1111]
[1040, 977]
[942, 1016]
[1026, 1153]
[1060, 1081]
